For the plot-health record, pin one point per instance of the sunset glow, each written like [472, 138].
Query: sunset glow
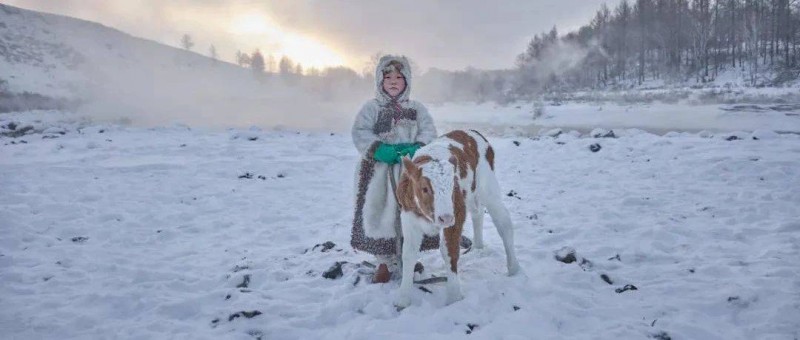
[259, 31]
[250, 24]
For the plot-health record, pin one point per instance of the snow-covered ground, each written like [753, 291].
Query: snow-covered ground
[175, 233]
[657, 117]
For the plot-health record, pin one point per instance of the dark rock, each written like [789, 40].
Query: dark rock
[335, 271]
[626, 288]
[602, 133]
[615, 257]
[586, 264]
[281, 175]
[252, 138]
[566, 255]
[513, 193]
[250, 314]
[606, 279]
[325, 246]
[738, 302]
[246, 314]
[12, 126]
[80, 239]
[471, 327]
[256, 334]
[426, 290]
[246, 175]
[731, 138]
[516, 143]
[661, 336]
[17, 133]
[516, 308]
[245, 282]
[595, 147]
[465, 243]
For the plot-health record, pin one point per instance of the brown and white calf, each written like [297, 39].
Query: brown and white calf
[448, 177]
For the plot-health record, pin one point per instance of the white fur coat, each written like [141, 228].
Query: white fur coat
[388, 120]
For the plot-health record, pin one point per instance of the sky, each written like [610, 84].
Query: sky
[449, 35]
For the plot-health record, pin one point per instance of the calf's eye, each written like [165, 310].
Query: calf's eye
[425, 190]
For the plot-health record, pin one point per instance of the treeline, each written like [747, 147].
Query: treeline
[670, 40]
[635, 44]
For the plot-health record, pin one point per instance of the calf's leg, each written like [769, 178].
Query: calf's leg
[477, 226]
[502, 221]
[450, 252]
[412, 239]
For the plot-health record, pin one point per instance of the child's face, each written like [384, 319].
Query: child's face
[394, 83]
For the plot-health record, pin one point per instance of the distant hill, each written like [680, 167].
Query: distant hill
[52, 61]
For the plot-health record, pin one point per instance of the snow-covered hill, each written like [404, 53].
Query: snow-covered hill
[112, 75]
[55, 55]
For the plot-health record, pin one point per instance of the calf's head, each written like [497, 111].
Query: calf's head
[433, 186]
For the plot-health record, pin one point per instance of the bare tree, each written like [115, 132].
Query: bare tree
[242, 59]
[212, 53]
[186, 42]
[257, 62]
[285, 66]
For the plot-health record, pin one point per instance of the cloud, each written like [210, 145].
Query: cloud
[443, 34]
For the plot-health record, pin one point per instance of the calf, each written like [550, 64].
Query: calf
[448, 177]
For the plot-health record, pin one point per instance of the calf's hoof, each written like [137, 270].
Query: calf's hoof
[513, 269]
[402, 302]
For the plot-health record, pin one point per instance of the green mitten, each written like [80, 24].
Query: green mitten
[387, 153]
[408, 149]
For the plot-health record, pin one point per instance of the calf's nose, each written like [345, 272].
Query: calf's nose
[447, 220]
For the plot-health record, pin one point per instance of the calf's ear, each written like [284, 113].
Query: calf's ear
[410, 168]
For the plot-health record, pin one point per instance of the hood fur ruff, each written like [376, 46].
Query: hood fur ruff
[381, 95]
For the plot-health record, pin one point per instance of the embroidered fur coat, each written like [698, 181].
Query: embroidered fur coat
[388, 120]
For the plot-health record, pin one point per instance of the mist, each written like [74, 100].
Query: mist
[221, 96]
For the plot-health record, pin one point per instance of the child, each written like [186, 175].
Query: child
[387, 128]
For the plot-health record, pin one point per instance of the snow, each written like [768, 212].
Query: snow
[655, 117]
[114, 231]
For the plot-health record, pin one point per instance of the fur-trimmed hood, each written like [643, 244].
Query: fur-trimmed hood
[381, 95]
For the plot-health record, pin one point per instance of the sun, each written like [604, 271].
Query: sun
[309, 52]
[250, 24]
[258, 30]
